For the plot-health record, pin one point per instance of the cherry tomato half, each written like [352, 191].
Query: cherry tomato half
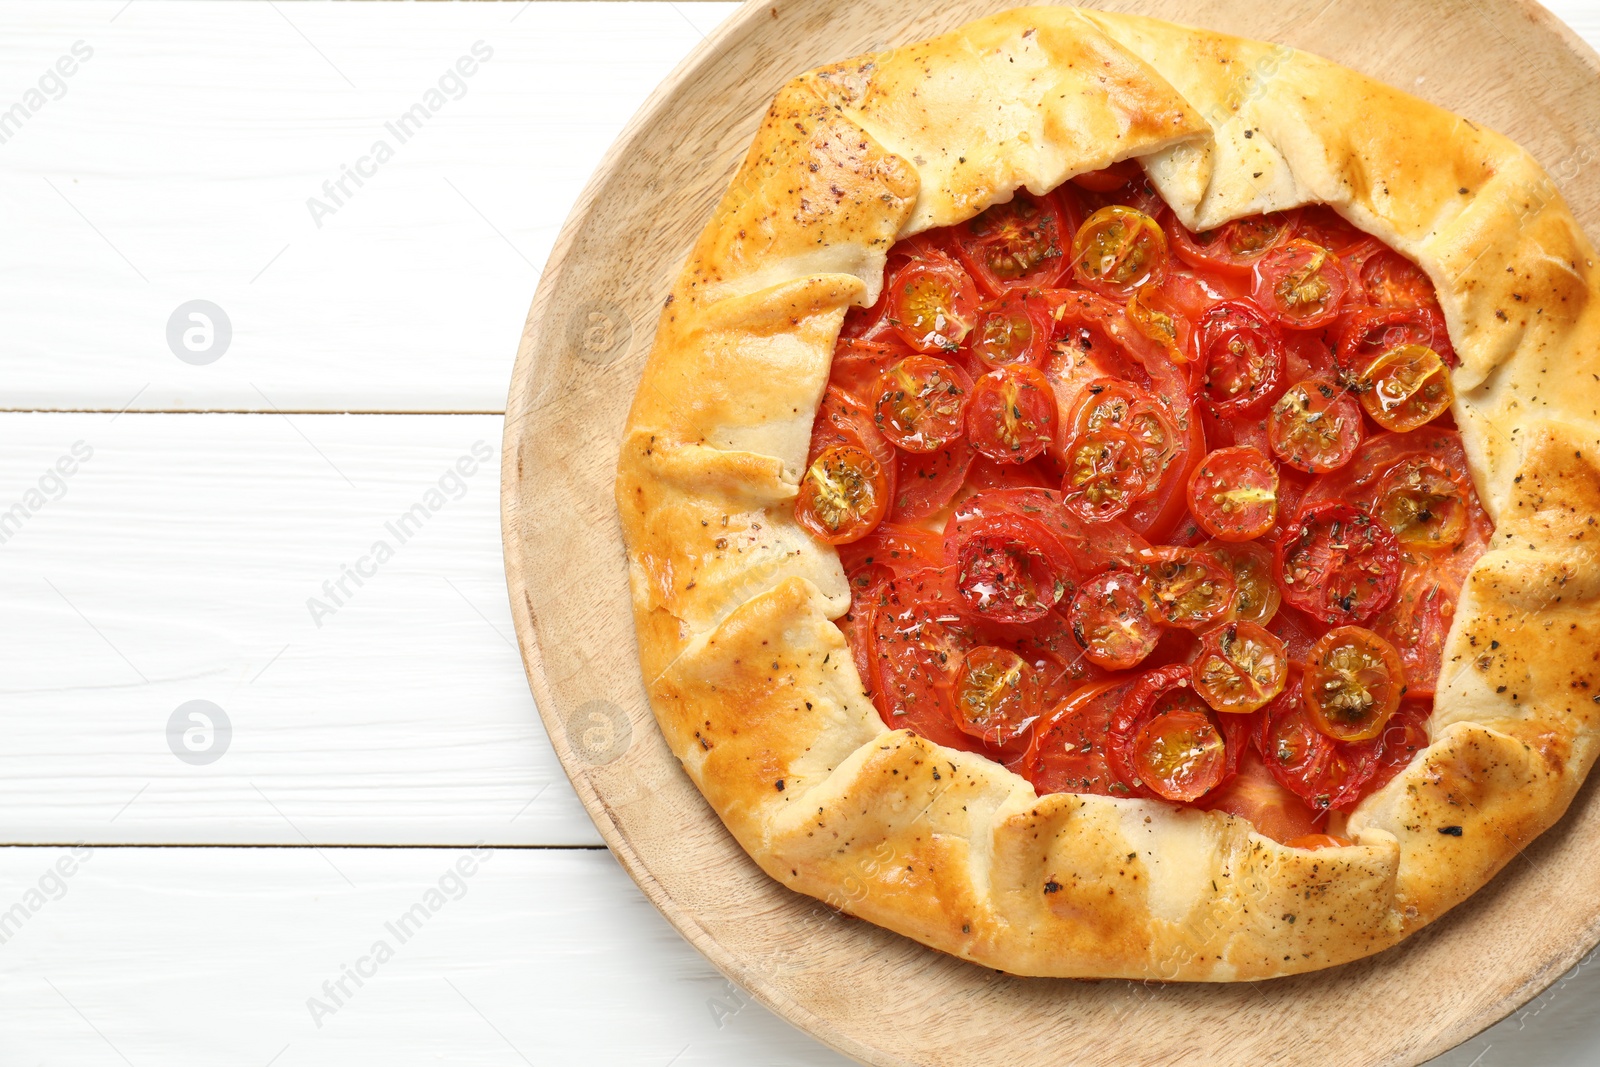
[1300, 284]
[1367, 333]
[1117, 250]
[1250, 563]
[1391, 280]
[996, 695]
[1163, 738]
[1353, 683]
[1011, 416]
[932, 303]
[1423, 503]
[1241, 359]
[844, 494]
[1109, 403]
[1405, 387]
[1112, 621]
[1338, 564]
[1233, 494]
[920, 403]
[1189, 588]
[1233, 247]
[1240, 668]
[1148, 313]
[1315, 426]
[1105, 474]
[1004, 570]
[1019, 244]
[1325, 773]
[1015, 329]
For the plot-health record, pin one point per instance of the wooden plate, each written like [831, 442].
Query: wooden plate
[869, 993]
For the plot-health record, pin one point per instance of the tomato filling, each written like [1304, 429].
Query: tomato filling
[1145, 512]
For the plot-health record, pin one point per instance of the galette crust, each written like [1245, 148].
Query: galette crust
[753, 685]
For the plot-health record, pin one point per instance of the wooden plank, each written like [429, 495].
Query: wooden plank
[180, 159]
[210, 956]
[175, 563]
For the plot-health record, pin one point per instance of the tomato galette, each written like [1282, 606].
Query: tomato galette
[1139, 480]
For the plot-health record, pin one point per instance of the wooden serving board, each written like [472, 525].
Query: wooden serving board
[871, 994]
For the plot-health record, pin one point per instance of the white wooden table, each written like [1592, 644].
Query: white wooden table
[362, 850]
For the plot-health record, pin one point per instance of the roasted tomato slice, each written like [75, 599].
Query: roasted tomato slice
[1389, 279]
[1418, 622]
[1241, 359]
[1013, 330]
[1117, 250]
[1069, 751]
[1256, 796]
[1112, 620]
[1105, 474]
[1315, 426]
[933, 303]
[894, 548]
[1108, 403]
[1250, 564]
[1325, 773]
[1366, 333]
[844, 420]
[1189, 587]
[1005, 570]
[1011, 415]
[1320, 224]
[1234, 247]
[857, 366]
[926, 481]
[843, 495]
[1240, 667]
[1164, 738]
[919, 636]
[1338, 564]
[996, 695]
[1233, 494]
[1300, 284]
[1353, 683]
[1423, 503]
[1152, 313]
[1019, 244]
[1403, 738]
[921, 403]
[1405, 387]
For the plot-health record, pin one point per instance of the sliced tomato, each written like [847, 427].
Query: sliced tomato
[1112, 620]
[1105, 474]
[920, 403]
[1012, 330]
[1153, 314]
[1425, 503]
[843, 495]
[1338, 564]
[1117, 250]
[1365, 333]
[1068, 753]
[1405, 387]
[1078, 546]
[1240, 668]
[1418, 622]
[844, 420]
[1011, 414]
[1242, 359]
[1233, 494]
[1405, 736]
[1300, 284]
[1180, 754]
[925, 482]
[895, 548]
[1298, 632]
[1325, 773]
[1256, 796]
[919, 636]
[1250, 563]
[1189, 588]
[1111, 404]
[857, 365]
[1353, 683]
[1234, 247]
[1007, 570]
[1389, 279]
[933, 303]
[1320, 224]
[1315, 426]
[996, 695]
[1021, 243]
